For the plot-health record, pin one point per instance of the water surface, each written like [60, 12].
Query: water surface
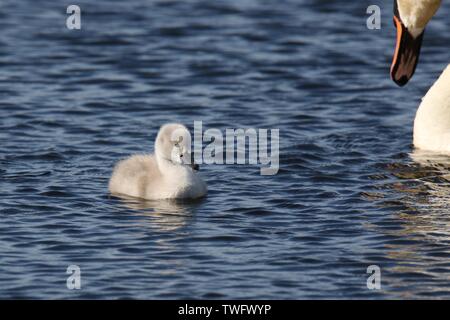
[351, 191]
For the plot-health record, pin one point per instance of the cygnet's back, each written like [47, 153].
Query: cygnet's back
[135, 175]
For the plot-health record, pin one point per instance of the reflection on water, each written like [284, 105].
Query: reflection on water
[419, 195]
[433, 172]
[422, 184]
[430, 174]
[434, 165]
[74, 103]
[162, 215]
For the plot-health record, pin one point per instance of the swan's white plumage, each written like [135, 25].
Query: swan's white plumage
[165, 175]
[415, 14]
[432, 123]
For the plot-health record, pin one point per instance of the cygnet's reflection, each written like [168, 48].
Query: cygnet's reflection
[163, 215]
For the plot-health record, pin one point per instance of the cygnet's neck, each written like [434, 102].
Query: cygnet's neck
[172, 170]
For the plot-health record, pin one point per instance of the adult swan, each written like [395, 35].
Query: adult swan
[432, 123]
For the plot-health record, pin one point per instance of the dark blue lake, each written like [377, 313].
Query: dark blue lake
[351, 191]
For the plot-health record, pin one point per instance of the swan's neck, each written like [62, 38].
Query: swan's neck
[432, 124]
[417, 13]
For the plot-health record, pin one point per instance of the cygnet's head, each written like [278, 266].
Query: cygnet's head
[173, 144]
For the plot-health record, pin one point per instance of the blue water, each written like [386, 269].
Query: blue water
[351, 191]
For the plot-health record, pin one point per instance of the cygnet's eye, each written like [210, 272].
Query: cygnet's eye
[181, 156]
[177, 143]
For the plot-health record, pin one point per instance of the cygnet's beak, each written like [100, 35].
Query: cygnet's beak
[194, 166]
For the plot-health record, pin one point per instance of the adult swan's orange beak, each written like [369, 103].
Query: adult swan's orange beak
[406, 53]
